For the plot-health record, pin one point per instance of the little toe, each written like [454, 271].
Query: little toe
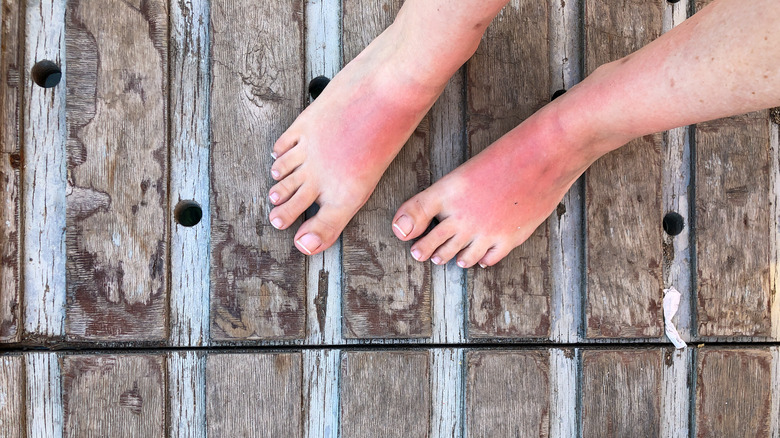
[320, 232]
[286, 188]
[423, 248]
[494, 255]
[284, 144]
[448, 249]
[287, 163]
[473, 253]
[414, 215]
[284, 215]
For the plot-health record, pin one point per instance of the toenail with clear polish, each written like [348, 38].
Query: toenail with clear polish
[309, 243]
[482, 265]
[274, 197]
[277, 223]
[461, 263]
[436, 260]
[275, 173]
[273, 155]
[404, 225]
[416, 254]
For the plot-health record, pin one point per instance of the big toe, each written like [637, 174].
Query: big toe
[414, 216]
[321, 231]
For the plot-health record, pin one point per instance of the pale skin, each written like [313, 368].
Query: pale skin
[720, 62]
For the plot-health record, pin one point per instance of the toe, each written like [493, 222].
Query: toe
[423, 248]
[494, 255]
[285, 215]
[286, 188]
[288, 162]
[448, 249]
[284, 144]
[413, 217]
[472, 253]
[321, 231]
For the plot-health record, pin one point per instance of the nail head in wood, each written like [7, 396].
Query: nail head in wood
[317, 85]
[673, 223]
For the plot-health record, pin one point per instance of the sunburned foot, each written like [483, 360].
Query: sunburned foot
[494, 202]
[337, 149]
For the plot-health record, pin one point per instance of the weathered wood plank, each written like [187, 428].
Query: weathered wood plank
[774, 425]
[254, 395]
[44, 182]
[189, 180]
[447, 392]
[114, 395]
[187, 394]
[323, 58]
[511, 299]
[733, 392]
[676, 393]
[566, 226]
[257, 276]
[11, 397]
[508, 393]
[774, 234]
[676, 191]
[387, 293]
[733, 212]
[564, 378]
[43, 395]
[621, 393]
[448, 151]
[321, 392]
[385, 394]
[117, 169]
[624, 251]
[10, 161]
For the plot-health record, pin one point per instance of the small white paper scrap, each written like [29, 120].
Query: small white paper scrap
[671, 304]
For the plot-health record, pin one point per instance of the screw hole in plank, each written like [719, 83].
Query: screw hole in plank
[673, 223]
[188, 213]
[46, 74]
[317, 85]
[557, 94]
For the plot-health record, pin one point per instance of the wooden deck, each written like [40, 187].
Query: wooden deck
[116, 320]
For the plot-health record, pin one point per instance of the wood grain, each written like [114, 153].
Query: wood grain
[387, 294]
[621, 393]
[624, 233]
[117, 169]
[114, 395]
[189, 179]
[257, 276]
[321, 392]
[186, 394]
[10, 161]
[44, 185]
[508, 80]
[255, 395]
[11, 397]
[564, 392]
[43, 395]
[733, 212]
[385, 394]
[447, 392]
[507, 393]
[733, 392]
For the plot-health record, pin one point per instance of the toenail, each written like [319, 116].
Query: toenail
[436, 260]
[482, 265]
[461, 263]
[274, 197]
[309, 243]
[416, 254]
[404, 225]
[273, 155]
[277, 223]
[275, 173]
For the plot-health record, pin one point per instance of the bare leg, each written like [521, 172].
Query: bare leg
[368, 111]
[722, 61]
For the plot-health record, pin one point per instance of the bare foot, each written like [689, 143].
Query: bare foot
[494, 202]
[337, 149]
